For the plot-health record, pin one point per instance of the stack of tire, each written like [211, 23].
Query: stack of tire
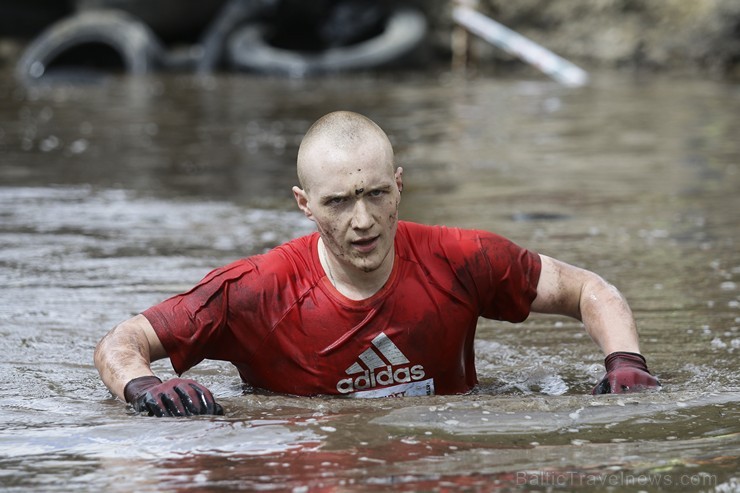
[283, 37]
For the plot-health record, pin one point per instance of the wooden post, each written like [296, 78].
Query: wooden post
[460, 39]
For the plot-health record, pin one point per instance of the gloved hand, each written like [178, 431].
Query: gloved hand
[625, 372]
[175, 397]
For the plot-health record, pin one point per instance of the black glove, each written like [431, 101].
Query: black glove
[625, 372]
[175, 397]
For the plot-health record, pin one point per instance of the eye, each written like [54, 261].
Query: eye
[335, 201]
[377, 193]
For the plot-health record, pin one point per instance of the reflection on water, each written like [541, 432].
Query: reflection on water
[116, 196]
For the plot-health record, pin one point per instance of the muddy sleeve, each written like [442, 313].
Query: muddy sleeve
[194, 325]
[505, 277]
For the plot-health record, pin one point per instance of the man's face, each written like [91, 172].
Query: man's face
[353, 197]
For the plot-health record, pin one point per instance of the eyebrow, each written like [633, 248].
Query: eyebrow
[342, 195]
[330, 196]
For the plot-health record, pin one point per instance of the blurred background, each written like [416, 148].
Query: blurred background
[699, 36]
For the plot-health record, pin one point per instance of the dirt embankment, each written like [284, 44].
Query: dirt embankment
[696, 35]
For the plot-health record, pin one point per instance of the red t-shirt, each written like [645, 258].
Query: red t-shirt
[280, 321]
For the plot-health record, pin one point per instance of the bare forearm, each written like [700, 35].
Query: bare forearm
[567, 290]
[124, 354]
[607, 317]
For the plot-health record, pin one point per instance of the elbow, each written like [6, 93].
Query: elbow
[99, 354]
[597, 292]
[108, 343]
[594, 291]
[601, 289]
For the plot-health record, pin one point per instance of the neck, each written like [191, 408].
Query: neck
[354, 283]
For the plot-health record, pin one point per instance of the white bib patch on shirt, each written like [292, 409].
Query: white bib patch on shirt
[412, 389]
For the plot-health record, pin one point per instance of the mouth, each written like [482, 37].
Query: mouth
[365, 245]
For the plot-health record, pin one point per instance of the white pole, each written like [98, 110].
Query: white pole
[512, 42]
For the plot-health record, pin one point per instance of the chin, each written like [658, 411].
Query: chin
[365, 264]
[368, 267]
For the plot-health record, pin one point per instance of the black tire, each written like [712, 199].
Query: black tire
[248, 49]
[138, 47]
[233, 13]
[174, 21]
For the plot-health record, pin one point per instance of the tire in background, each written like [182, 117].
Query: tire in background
[248, 49]
[139, 49]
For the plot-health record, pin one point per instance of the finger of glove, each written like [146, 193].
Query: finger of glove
[603, 387]
[646, 381]
[613, 383]
[628, 380]
[217, 409]
[187, 399]
[150, 404]
[208, 404]
[173, 405]
[620, 385]
[200, 399]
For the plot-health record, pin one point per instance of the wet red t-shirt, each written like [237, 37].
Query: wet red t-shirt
[280, 321]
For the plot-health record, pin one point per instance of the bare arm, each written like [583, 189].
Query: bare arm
[126, 352]
[567, 290]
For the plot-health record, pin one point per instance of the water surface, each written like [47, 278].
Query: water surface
[115, 196]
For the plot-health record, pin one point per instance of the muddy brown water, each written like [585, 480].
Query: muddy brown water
[116, 195]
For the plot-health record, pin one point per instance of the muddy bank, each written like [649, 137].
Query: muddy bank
[700, 35]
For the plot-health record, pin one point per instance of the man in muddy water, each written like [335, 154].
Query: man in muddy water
[368, 306]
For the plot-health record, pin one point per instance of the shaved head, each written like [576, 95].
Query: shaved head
[351, 191]
[339, 134]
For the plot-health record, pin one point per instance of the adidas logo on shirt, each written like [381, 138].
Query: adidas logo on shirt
[383, 364]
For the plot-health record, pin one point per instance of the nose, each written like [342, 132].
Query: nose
[361, 216]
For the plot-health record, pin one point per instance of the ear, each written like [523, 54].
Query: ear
[301, 198]
[399, 179]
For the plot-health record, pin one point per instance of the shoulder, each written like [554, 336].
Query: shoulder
[410, 231]
[448, 239]
[473, 250]
[285, 259]
[297, 255]
[300, 249]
